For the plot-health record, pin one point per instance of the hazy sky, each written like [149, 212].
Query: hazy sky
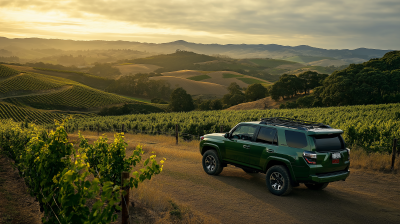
[332, 24]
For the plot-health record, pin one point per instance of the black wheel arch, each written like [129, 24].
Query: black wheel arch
[273, 162]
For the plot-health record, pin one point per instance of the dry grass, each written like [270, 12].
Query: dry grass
[161, 207]
[372, 161]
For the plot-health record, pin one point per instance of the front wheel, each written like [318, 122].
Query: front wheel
[211, 163]
[316, 186]
[278, 180]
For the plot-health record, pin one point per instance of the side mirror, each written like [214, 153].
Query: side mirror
[226, 135]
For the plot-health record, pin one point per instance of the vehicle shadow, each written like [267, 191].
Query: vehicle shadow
[334, 204]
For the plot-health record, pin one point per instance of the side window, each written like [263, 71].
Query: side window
[267, 135]
[295, 139]
[244, 132]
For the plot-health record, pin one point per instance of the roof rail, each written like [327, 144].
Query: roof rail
[293, 123]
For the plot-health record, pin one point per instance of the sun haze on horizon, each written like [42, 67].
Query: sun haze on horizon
[330, 24]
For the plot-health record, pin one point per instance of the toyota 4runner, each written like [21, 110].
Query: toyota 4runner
[289, 151]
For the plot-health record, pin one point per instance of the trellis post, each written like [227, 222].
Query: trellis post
[125, 199]
[176, 133]
[394, 153]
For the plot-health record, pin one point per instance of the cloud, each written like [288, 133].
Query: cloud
[345, 21]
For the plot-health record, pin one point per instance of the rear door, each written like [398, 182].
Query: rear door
[265, 140]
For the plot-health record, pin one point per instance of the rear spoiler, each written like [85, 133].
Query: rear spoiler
[324, 131]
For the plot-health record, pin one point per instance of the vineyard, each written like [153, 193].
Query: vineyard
[7, 72]
[8, 110]
[31, 82]
[373, 126]
[56, 173]
[77, 97]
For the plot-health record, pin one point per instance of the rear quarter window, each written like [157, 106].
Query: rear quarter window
[295, 139]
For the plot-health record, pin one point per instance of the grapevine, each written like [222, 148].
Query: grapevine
[56, 173]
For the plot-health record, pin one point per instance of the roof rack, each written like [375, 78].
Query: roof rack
[293, 123]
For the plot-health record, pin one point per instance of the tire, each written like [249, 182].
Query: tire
[278, 180]
[316, 186]
[249, 170]
[211, 163]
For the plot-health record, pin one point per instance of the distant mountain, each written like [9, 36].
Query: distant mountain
[232, 50]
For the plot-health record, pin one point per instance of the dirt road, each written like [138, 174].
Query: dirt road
[237, 197]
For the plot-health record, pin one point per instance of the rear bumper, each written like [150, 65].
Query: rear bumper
[330, 177]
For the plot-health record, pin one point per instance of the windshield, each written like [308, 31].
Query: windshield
[328, 142]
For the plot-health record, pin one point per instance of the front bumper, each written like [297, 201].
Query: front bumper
[330, 177]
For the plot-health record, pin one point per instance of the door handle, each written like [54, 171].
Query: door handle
[270, 150]
[246, 146]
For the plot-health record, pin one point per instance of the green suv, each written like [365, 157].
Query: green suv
[289, 151]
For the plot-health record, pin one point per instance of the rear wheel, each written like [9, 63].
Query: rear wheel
[316, 186]
[278, 180]
[211, 163]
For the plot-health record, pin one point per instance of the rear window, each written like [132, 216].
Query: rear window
[328, 142]
[295, 139]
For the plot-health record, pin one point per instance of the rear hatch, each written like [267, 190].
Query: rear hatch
[332, 155]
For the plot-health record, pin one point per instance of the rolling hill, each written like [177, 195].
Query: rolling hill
[194, 87]
[262, 104]
[17, 113]
[131, 69]
[43, 98]
[81, 77]
[223, 78]
[303, 59]
[175, 61]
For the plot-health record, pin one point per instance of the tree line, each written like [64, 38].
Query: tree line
[376, 81]
[141, 85]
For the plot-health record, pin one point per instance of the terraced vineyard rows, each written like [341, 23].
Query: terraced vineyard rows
[27, 81]
[7, 72]
[372, 126]
[8, 111]
[76, 97]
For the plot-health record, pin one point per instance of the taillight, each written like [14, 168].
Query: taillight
[348, 152]
[310, 157]
[201, 138]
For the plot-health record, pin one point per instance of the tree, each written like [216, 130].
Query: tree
[255, 92]
[234, 88]
[305, 101]
[205, 105]
[237, 99]
[104, 70]
[235, 95]
[277, 91]
[216, 104]
[181, 101]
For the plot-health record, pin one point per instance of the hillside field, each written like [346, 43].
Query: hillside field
[223, 78]
[41, 98]
[81, 77]
[131, 69]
